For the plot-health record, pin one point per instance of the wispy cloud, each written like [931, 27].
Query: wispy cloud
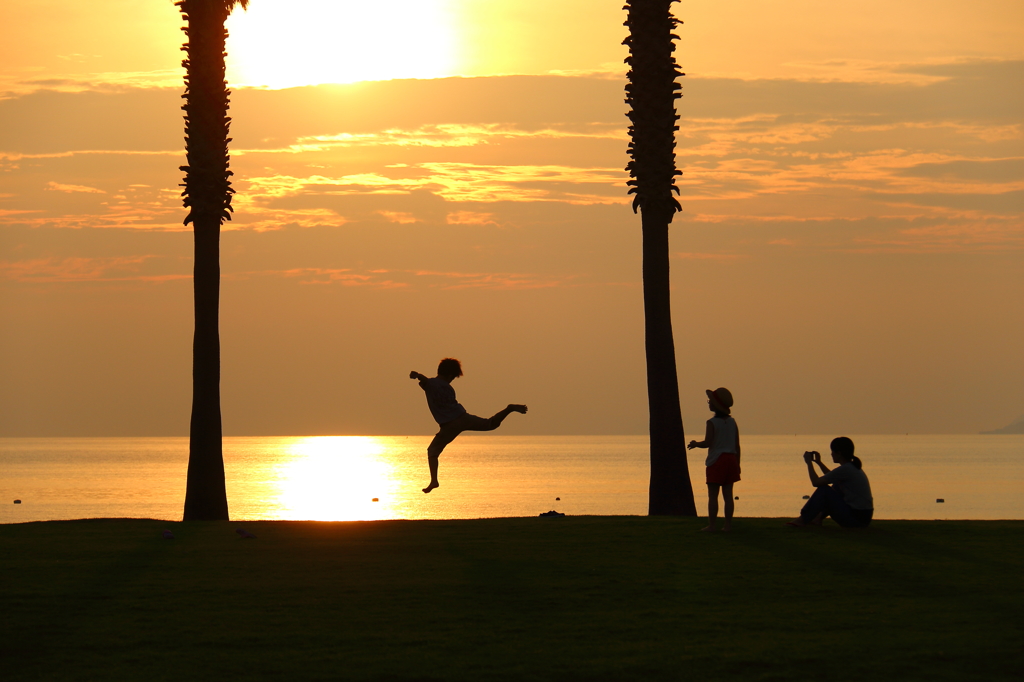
[79, 269]
[58, 187]
[491, 280]
[451, 135]
[470, 218]
[400, 217]
[13, 85]
[990, 235]
[457, 182]
[405, 278]
[710, 256]
[765, 153]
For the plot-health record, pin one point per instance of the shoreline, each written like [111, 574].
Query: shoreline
[695, 519]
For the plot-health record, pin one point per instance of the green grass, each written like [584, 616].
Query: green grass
[575, 598]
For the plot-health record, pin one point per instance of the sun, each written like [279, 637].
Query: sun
[283, 44]
[336, 478]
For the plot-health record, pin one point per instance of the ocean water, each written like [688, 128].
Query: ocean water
[484, 475]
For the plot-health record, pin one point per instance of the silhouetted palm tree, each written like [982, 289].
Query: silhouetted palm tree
[651, 93]
[208, 197]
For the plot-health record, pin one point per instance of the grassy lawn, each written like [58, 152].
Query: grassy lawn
[575, 598]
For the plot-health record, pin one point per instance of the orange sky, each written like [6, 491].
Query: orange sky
[848, 258]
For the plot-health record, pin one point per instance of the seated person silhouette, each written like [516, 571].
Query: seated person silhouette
[450, 415]
[842, 493]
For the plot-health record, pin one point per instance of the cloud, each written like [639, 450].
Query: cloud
[402, 279]
[57, 187]
[453, 182]
[491, 280]
[710, 256]
[12, 86]
[449, 135]
[262, 219]
[81, 269]
[948, 149]
[976, 236]
[470, 218]
[399, 217]
[125, 216]
[340, 276]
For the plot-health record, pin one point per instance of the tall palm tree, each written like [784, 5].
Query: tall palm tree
[207, 195]
[651, 93]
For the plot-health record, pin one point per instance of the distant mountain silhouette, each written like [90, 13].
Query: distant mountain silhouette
[1015, 427]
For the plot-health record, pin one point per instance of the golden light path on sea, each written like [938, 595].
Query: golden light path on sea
[333, 478]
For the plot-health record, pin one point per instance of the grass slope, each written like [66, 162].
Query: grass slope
[575, 598]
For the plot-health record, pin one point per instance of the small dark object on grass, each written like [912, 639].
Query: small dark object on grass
[558, 499]
[940, 500]
[551, 513]
[807, 497]
[375, 500]
[168, 535]
[246, 535]
[17, 502]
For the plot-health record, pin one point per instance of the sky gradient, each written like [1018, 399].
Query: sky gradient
[848, 258]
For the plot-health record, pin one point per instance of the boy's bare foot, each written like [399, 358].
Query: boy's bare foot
[727, 529]
[796, 523]
[521, 409]
[433, 484]
[708, 529]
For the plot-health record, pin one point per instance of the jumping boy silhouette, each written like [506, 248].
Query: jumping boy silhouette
[449, 414]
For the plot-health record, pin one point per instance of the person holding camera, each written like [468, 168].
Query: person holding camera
[842, 493]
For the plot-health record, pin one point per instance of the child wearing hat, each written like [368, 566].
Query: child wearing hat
[722, 439]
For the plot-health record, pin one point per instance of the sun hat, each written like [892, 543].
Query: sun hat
[721, 399]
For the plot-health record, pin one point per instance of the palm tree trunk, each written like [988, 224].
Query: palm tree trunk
[208, 196]
[205, 490]
[670, 490]
[651, 94]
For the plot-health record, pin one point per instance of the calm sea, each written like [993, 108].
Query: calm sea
[370, 477]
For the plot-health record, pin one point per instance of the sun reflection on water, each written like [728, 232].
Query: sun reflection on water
[335, 478]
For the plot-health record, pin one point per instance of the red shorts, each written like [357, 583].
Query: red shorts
[726, 469]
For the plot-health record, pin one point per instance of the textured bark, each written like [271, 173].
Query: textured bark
[207, 195]
[651, 93]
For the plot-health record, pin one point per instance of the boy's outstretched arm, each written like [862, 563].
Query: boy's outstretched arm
[420, 378]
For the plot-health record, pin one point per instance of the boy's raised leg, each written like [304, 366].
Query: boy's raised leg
[500, 417]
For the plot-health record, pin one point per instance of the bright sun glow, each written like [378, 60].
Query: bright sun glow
[335, 478]
[308, 42]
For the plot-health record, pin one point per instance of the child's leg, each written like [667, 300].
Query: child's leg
[437, 445]
[432, 463]
[712, 506]
[500, 417]
[471, 422]
[730, 505]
